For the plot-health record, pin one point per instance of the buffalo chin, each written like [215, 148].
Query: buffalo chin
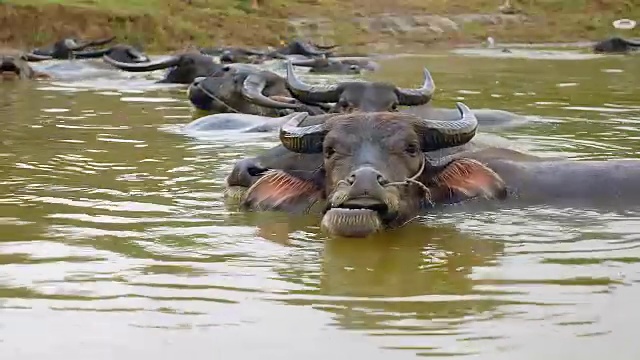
[9, 70]
[235, 193]
[356, 218]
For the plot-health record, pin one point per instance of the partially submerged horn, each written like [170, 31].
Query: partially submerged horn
[632, 42]
[305, 140]
[411, 97]
[252, 88]
[102, 41]
[306, 92]
[36, 57]
[438, 134]
[142, 67]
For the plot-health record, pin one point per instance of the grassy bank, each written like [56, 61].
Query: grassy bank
[169, 25]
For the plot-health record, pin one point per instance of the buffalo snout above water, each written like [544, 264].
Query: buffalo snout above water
[14, 64]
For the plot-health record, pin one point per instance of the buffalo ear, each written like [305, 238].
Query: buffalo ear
[290, 191]
[465, 179]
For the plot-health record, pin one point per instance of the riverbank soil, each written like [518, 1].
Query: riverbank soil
[170, 25]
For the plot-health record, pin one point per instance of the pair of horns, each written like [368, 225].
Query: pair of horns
[332, 93]
[433, 134]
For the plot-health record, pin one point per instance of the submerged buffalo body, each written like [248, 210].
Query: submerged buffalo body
[14, 64]
[616, 45]
[245, 90]
[185, 67]
[368, 171]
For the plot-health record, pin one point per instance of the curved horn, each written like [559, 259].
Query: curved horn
[632, 42]
[142, 67]
[103, 41]
[252, 88]
[36, 57]
[90, 54]
[421, 96]
[305, 140]
[437, 134]
[308, 93]
[325, 47]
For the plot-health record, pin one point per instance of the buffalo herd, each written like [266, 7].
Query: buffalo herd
[364, 156]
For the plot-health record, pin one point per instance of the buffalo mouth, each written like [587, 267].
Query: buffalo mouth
[359, 217]
[9, 68]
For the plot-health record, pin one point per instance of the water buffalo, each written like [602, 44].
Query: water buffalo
[185, 67]
[372, 173]
[376, 96]
[14, 64]
[229, 55]
[302, 47]
[324, 65]
[65, 49]
[119, 53]
[616, 45]
[246, 90]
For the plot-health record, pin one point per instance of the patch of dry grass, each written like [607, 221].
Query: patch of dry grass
[167, 25]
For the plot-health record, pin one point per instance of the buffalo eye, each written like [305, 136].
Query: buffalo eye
[412, 149]
[329, 151]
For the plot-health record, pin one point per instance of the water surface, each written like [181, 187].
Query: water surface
[116, 241]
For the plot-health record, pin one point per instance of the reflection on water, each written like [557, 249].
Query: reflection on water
[116, 241]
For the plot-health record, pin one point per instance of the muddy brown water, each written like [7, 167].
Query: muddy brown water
[116, 242]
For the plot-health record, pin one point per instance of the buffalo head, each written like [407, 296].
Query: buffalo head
[14, 64]
[244, 89]
[374, 173]
[361, 96]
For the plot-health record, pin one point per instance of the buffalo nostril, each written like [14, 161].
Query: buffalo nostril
[351, 179]
[381, 180]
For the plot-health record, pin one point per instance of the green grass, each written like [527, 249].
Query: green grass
[129, 6]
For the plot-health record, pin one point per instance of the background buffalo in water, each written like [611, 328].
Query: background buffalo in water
[66, 48]
[186, 67]
[14, 64]
[616, 45]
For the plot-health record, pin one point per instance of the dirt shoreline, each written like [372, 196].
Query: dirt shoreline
[27, 26]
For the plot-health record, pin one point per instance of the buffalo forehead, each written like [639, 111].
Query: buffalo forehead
[386, 127]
